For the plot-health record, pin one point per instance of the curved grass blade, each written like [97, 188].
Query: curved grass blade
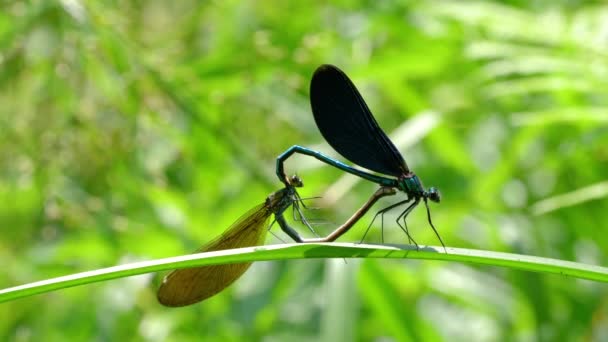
[313, 251]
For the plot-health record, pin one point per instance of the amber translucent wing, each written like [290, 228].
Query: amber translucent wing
[191, 285]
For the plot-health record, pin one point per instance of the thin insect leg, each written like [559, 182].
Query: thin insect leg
[382, 192]
[381, 212]
[293, 212]
[410, 239]
[404, 215]
[428, 214]
[300, 199]
[273, 234]
[309, 198]
[298, 215]
[296, 206]
[297, 201]
[382, 228]
[292, 233]
[305, 221]
[406, 230]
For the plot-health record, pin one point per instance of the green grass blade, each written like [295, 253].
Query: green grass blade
[381, 296]
[340, 319]
[321, 250]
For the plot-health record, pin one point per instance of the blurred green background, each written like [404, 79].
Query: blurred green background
[134, 130]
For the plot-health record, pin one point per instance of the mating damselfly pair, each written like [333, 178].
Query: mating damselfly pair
[349, 127]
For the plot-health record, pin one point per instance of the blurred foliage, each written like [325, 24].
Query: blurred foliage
[135, 130]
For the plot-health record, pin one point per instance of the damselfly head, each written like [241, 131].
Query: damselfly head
[433, 195]
[296, 181]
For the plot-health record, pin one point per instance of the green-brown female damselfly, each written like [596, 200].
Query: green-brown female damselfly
[191, 285]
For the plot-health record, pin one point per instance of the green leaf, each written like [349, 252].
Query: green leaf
[322, 250]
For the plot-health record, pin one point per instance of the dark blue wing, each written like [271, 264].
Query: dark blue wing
[348, 125]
